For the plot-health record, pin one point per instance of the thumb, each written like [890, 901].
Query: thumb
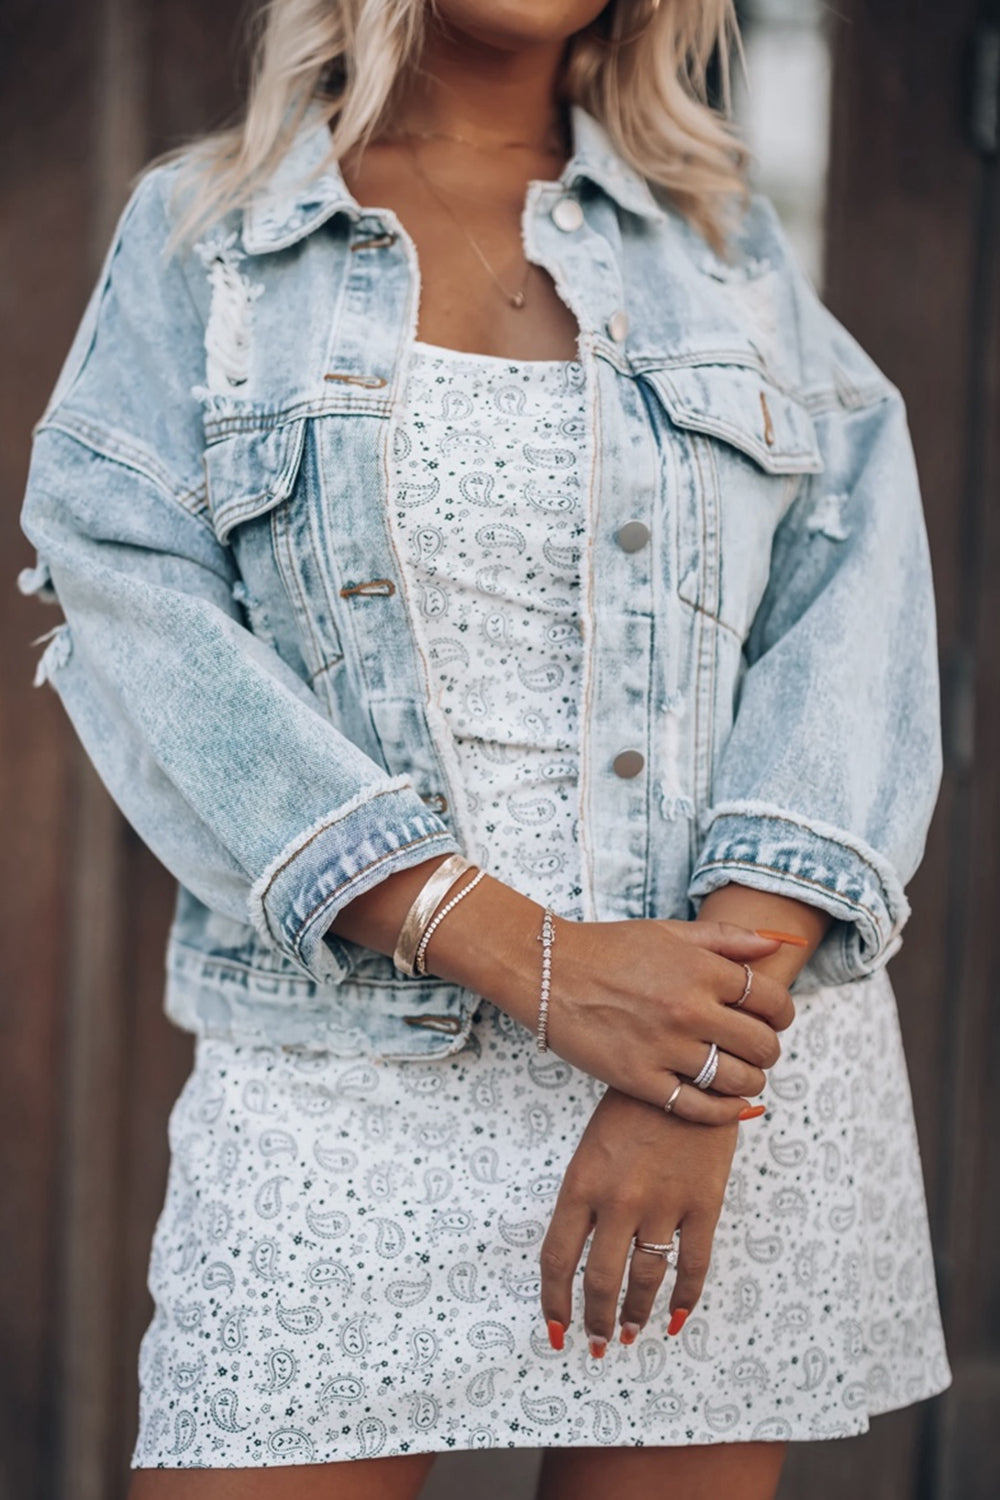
[725, 938]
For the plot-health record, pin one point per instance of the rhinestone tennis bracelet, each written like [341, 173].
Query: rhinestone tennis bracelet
[546, 937]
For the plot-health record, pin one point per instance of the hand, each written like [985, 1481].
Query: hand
[635, 1004]
[636, 1171]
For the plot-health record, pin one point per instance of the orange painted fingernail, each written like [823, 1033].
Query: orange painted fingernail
[556, 1332]
[678, 1318]
[630, 1332]
[597, 1348]
[753, 1112]
[783, 937]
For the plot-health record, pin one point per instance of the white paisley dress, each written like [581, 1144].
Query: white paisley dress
[346, 1262]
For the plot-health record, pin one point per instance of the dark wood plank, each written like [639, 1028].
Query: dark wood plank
[44, 186]
[904, 228]
[95, 1125]
[83, 1111]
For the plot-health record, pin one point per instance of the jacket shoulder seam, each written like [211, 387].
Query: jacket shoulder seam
[118, 449]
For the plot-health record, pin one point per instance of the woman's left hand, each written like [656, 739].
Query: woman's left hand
[636, 1172]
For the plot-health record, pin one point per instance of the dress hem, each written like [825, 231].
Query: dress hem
[748, 1435]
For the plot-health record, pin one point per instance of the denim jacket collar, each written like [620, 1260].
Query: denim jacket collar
[307, 187]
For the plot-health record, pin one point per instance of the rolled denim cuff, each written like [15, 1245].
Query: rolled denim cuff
[382, 830]
[769, 849]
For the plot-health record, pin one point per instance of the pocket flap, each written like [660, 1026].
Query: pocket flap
[744, 408]
[248, 473]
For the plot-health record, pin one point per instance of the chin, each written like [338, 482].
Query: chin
[515, 23]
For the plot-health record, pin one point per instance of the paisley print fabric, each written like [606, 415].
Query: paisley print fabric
[487, 507]
[347, 1261]
[346, 1264]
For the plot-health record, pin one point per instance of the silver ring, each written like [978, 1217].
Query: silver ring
[747, 988]
[669, 1106]
[704, 1079]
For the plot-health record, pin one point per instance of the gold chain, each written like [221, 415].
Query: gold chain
[463, 140]
[516, 299]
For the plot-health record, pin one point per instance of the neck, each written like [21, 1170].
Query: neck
[483, 92]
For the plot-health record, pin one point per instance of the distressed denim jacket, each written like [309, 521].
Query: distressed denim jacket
[245, 667]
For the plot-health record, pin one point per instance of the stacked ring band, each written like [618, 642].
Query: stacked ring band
[705, 1078]
[747, 988]
[668, 1252]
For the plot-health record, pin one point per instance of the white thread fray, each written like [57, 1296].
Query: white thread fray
[56, 654]
[828, 518]
[674, 801]
[228, 332]
[256, 613]
[38, 581]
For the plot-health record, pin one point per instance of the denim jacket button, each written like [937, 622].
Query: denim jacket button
[628, 763]
[618, 326]
[567, 215]
[633, 536]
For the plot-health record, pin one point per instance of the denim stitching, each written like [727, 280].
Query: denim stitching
[330, 822]
[332, 896]
[804, 880]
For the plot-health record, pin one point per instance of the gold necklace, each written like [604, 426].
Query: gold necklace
[515, 299]
[463, 140]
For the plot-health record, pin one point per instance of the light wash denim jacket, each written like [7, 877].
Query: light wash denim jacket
[245, 667]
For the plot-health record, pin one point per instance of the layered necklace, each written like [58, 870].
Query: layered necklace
[515, 298]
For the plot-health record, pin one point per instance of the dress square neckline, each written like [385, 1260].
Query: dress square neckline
[443, 351]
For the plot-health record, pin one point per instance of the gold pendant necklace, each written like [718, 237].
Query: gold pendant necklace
[515, 299]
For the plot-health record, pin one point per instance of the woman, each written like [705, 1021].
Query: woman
[484, 477]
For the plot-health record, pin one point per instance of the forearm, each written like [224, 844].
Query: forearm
[762, 911]
[488, 943]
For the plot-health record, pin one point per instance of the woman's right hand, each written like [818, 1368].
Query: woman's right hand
[638, 1004]
[635, 1004]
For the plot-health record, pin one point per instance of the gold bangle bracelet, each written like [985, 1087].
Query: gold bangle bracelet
[433, 890]
[420, 959]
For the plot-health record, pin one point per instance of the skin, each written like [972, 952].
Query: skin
[633, 1003]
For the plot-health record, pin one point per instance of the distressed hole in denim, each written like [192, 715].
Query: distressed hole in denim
[228, 331]
[674, 802]
[256, 613]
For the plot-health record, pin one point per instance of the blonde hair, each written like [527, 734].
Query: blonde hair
[641, 69]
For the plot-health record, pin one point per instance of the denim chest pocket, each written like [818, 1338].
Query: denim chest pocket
[264, 505]
[736, 448]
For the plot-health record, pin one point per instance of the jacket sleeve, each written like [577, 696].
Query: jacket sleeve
[826, 785]
[215, 750]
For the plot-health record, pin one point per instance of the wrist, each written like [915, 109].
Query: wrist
[762, 910]
[489, 944]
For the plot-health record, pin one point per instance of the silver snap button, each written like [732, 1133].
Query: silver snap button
[567, 215]
[628, 763]
[633, 536]
[618, 326]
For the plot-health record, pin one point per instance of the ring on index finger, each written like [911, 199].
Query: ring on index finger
[669, 1106]
[746, 988]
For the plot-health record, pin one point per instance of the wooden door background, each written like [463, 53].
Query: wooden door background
[89, 89]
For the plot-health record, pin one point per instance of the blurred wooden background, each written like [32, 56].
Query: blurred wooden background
[89, 89]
